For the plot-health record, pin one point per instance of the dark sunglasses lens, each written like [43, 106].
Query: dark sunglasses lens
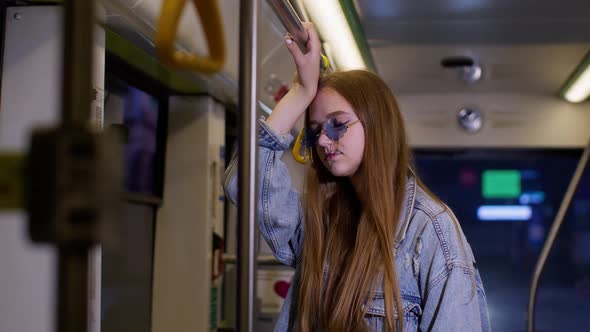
[310, 138]
[335, 131]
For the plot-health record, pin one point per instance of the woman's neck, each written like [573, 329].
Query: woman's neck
[358, 185]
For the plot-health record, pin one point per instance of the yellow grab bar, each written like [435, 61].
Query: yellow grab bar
[299, 148]
[211, 22]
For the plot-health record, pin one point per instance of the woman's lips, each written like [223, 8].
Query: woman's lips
[332, 155]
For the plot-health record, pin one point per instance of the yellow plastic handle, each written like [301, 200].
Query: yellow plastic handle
[302, 159]
[166, 35]
[324, 65]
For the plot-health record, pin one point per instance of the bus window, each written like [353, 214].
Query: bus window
[506, 201]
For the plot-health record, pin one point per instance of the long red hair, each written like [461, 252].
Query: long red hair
[355, 238]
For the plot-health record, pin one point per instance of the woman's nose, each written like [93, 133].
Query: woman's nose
[323, 140]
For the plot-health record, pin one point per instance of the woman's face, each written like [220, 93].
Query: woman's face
[342, 157]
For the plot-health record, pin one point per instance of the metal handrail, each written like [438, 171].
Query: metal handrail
[263, 260]
[77, 68]
[292, 23]
[569, 194]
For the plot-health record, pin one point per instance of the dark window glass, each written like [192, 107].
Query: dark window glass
[506, 202]
[141, 120]
[135, 114]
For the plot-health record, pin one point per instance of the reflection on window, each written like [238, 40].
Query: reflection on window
[141, 121]
[506, 203]
[134, 114]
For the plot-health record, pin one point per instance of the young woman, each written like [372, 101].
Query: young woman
[373, 249]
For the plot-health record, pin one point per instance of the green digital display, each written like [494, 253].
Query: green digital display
[501, 184]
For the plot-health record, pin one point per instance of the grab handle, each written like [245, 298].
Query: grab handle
[166, 35]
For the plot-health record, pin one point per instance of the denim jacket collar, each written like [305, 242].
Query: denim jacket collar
[406, 212]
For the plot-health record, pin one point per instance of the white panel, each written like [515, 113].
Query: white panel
[31, 93]
[510, 120]
[533, 68]
[27, 280]
[30, 97]
[191, 211]
[31, 74]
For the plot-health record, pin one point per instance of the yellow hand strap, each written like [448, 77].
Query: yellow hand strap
[302, 159]
[166, 35]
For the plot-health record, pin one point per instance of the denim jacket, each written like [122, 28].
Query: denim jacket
[441, 288]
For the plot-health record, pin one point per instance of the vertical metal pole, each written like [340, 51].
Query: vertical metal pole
[78, 32]
[76, 100]
[247, 163]
[72, 313]
[555, 226]
[294, 26]
[291, 21]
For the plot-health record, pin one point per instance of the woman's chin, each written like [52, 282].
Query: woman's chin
[339, 170]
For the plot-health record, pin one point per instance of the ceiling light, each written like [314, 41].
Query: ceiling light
[332, 24]
[577, 87]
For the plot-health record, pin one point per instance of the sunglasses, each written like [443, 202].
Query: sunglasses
[332, 128]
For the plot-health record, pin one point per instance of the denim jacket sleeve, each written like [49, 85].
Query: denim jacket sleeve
[452, 290]
[278, 206]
